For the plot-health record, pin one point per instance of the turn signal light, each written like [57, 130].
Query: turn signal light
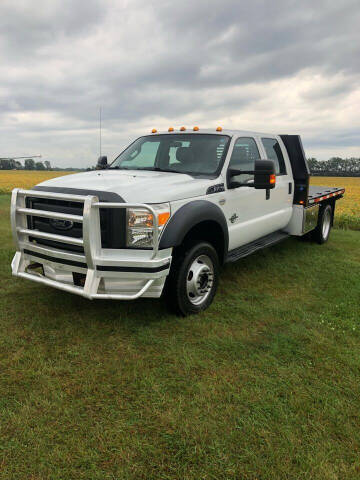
[219, 129]
[182, 129]
[272, 179]
[153, 130]
[171, 129]
[196, 129]
[163, 218]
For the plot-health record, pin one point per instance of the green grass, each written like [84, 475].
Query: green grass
[264, 385]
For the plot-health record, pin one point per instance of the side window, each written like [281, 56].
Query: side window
[273, 152]
[243, 157]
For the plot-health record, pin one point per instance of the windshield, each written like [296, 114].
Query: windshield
[182, 153]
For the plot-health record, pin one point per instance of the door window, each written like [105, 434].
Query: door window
[243, 157]
[273, 152]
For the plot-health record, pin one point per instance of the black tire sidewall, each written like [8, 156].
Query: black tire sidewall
[183, 304]
[319, 237]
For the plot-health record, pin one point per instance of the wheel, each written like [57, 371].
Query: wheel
[322, 231]
[193, 279]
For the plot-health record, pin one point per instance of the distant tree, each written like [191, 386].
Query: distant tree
[29, 164]
[47, 165]
[12, 164]
[18, 165]
[39, 166]
[312, 163]
[4, 164]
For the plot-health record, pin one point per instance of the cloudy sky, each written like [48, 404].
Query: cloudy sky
[280, 66]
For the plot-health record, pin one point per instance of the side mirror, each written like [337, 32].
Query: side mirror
[264, 175]
[102, 163]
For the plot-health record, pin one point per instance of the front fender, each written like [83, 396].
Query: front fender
[187, 217]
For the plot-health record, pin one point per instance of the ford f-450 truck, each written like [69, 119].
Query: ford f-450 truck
[166, 214]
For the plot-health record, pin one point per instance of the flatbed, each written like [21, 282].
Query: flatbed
[318, 194]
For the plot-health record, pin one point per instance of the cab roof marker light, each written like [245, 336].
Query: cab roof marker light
[219, 129]
[170, 129]
[154, 130]
[182, 129]
[196, 129]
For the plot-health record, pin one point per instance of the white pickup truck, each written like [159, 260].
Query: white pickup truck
[166, 214]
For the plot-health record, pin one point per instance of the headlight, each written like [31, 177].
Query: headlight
[139, 232]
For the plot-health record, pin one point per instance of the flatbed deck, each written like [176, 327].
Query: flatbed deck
[317, 194]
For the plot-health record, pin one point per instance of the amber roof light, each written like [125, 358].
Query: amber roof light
[219, 129]
[153, 130]
[196, 129]
[171, 129]
[182, 129]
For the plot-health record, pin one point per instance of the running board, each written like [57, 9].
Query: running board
[252, 247]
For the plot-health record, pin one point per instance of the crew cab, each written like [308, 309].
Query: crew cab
[166, 214]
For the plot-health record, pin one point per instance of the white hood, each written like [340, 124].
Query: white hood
[136, 186]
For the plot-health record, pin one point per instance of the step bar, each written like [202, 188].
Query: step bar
[256, 245]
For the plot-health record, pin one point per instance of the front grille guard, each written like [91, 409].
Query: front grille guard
[91, 240]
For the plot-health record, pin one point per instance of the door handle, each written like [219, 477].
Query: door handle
[290, 188]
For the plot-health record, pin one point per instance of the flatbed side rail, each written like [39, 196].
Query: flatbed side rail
[316, 197]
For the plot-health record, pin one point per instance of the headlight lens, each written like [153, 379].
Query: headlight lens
[140, 225]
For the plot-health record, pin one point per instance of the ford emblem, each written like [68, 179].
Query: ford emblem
[61, 224]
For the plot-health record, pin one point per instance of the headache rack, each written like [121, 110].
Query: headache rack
[93, 262]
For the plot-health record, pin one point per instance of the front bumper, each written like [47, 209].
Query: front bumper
[99, 273]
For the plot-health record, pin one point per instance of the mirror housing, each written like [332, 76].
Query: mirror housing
[264, 176]
[102, 163]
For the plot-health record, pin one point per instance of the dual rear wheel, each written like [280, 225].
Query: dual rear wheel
[322, 231]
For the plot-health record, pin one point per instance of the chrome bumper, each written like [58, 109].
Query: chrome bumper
[107, 273]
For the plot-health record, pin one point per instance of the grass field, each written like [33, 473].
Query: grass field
[347, 210]
[264, 385]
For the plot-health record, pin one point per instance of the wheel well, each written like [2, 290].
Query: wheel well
[206, 231]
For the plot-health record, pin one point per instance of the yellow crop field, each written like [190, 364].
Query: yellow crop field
[347, 209]
[10, 179]
[347, 214]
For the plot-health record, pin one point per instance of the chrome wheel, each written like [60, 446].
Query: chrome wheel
[199, 279]
[326, 223]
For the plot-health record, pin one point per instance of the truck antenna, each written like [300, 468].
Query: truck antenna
[100, 130]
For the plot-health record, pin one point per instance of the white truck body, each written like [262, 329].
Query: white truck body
[95, 271]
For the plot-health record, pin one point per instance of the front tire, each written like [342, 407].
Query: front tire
[193, 279]
[322, 231]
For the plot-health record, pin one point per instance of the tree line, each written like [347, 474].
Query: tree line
[29, 164]
[335, 166]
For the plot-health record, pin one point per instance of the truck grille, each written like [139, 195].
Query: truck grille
[112, 224]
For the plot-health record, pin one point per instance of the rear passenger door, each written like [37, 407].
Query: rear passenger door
[282, 194]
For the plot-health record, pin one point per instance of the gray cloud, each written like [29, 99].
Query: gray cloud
[276, 66]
